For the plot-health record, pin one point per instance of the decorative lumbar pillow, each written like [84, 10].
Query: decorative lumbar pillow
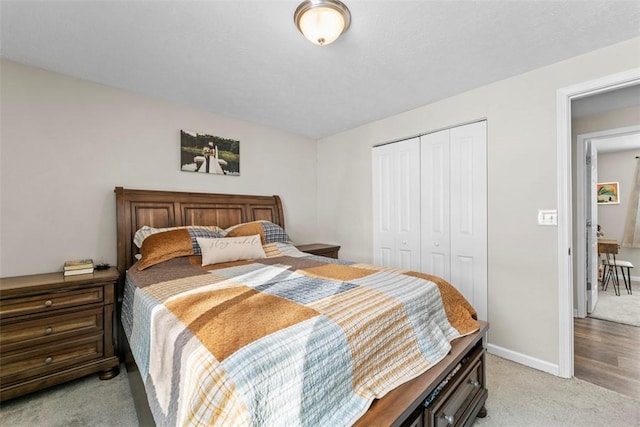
[228, 249]
[164, 246]
[194, 230]
[269, 232]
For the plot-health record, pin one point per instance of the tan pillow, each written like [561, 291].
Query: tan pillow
[246, 229]
[146, 231]
[164, 246]
[228, 249]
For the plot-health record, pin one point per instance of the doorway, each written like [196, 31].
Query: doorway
[564, 98]
[589, 147]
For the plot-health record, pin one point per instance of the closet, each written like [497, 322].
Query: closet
[430, 207]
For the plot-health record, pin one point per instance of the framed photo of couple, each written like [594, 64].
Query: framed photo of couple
[203, 153]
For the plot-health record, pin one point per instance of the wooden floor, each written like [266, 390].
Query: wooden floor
[608, 354]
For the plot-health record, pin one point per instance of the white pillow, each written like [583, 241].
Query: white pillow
[228, 249]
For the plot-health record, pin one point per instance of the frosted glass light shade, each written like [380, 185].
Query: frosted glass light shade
[322, 21]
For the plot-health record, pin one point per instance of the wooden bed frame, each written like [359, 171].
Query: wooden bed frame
[459, 402]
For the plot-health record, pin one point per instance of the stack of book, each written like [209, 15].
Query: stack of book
[78, 266]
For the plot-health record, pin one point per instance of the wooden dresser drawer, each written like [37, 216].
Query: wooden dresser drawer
[19, 334]
[18, 365]
[456, 405]
[453, 409]
[54, 329]
[51, 301]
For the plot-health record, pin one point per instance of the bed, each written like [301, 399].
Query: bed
[282, 338]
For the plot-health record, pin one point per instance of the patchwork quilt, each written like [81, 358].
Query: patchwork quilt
[288, 340]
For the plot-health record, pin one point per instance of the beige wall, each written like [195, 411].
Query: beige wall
[66, 143]
[522, 178]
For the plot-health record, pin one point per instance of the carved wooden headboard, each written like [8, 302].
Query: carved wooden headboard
[135, 208]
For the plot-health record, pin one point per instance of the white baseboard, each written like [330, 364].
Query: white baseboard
[523, 359]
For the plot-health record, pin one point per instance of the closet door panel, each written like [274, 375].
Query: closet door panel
[383, 205]
[384, 256]
[462, 273]
[396, 204]
[468, 178]
[434, 204]
[408, 204]
[462, 174]
[439, 265]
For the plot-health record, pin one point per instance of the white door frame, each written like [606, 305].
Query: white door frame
[564, 96]
[582, 189]
[596, 138]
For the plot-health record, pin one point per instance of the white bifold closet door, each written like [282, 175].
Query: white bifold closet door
[454, 209]
[396, 204]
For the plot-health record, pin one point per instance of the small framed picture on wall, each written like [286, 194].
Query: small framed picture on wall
[203, 153]
[608, 193]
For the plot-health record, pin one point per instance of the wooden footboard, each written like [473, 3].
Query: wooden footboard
[459, 401]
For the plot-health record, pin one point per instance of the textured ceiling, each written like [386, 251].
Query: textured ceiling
[246, 59]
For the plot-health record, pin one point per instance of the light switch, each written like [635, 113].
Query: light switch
[548, 217]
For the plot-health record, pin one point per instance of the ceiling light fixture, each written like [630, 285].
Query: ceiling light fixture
[322, 21]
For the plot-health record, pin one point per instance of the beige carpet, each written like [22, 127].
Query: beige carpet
[84, 402]
[518, 397]
[621, 309]
[524, 397]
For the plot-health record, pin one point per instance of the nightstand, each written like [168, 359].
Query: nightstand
[55, 329]
[321, 249]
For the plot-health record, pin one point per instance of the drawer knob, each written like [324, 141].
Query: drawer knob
[48, 360]
[48, 331]
[474, 383]
[449, 419]
[48, 303]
